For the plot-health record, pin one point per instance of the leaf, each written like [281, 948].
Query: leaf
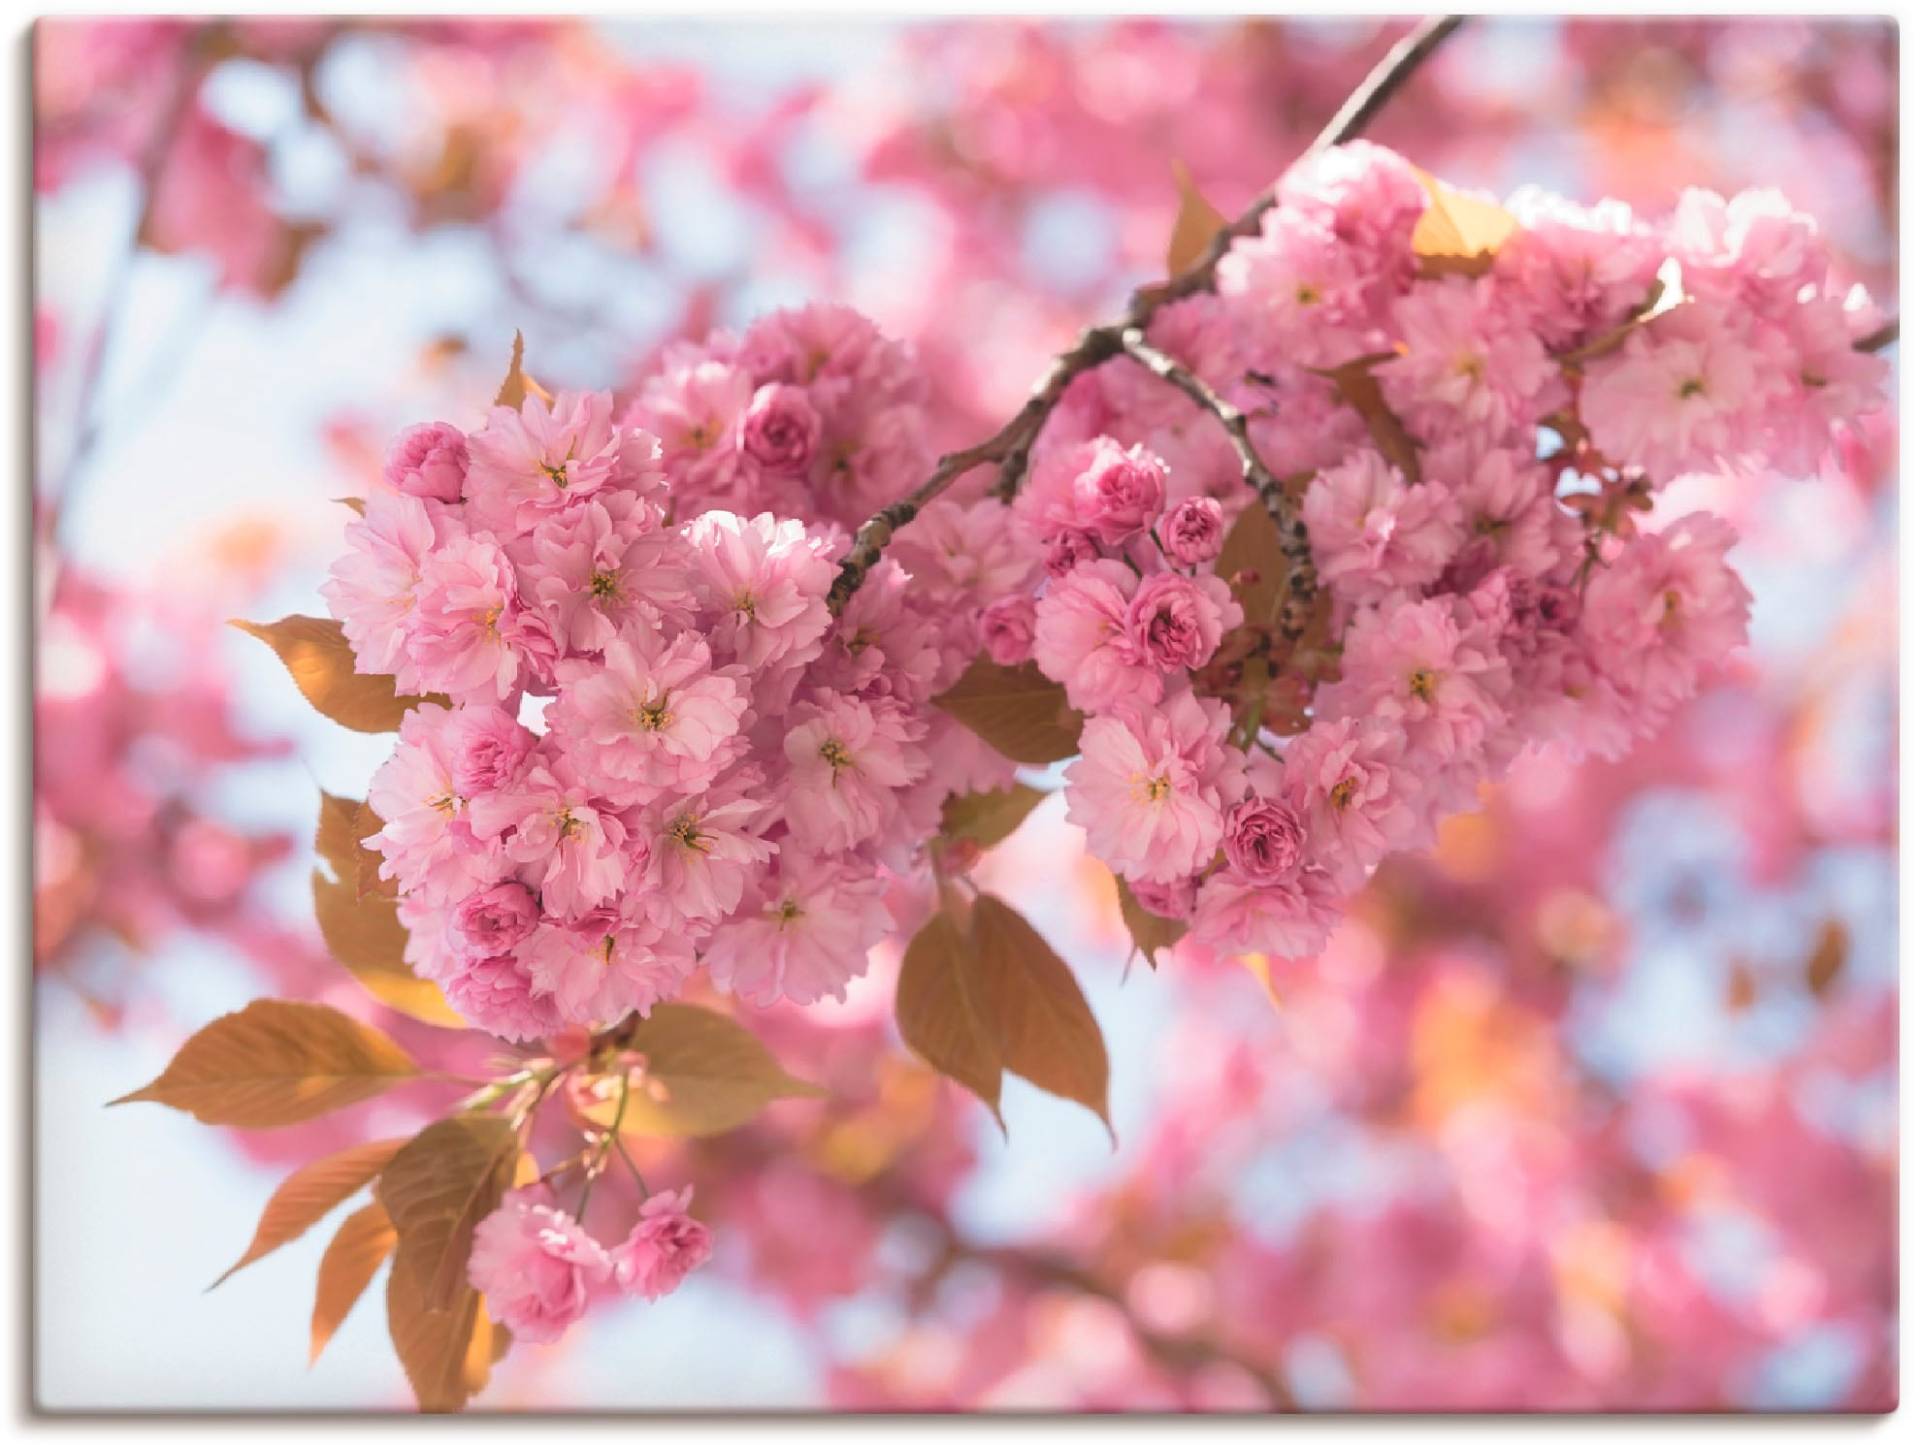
[518, 386]
[1017, 711]
[1194, 225]
[1148, 930]
[1458, 234]
[1666, 293]
[704, 1074]
[1047, 1033]
[447, 1354]
[277, 1062]
[333, 837]
[357, 504]
[988, 818]
[309, 1194]
[941, 1013]
[1252, 545]
[1828, 958]
[1359, 388]
[320, 662]
[366, 937]
[442, 1183]
[354, 1255]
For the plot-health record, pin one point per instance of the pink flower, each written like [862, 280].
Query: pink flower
[1265, 840]
[607, 963]
[1067, 548]
[373, 588]
[703, 853]
[428, 461]
[1289, 916]
[543, 459]
[470, 630]
[965, 551]
[1469, 361]
[695, 409]
[1350, 786]
[570, 848]
[804, 934]
[1681, 392]
[1412, 664]
[1150, 786]
[1118, 492]
[780, 429]
[537, 1267]
[1164, 900]
[1372, 533]
[650, 714]
[764, 582]
[666, 1245]
[1081, 638]
[1006, 630]
[497, 994]
[426, 839]
[493, 921]
[488, 747]
[848, 759]
[605, 565]
[1507, 512]
[1193, 531]
[1175, 622]
[1666, 609]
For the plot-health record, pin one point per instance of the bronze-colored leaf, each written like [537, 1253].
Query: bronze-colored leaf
[518, 386]
[1359, 388]
[366, 861]
[1458, 233]
[1828, 958]
[309, 1194]
[358, 505]
[1018, 711]
[1251, 552]
[354, 1255]
[704, 1074]
[1047, 1034]
[448, 1353]
[988, 818]
[1195, 224]
[942, 1014]
[442, 1183]
[366, 937]
[277, 1062]
[333, 837]
[1148, 930]
[317, 657]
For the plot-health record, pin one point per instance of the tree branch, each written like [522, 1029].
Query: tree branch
[1010, 446]
[1880, 339]
[1301, 580]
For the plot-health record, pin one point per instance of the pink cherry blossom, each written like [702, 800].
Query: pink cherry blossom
[803, 935]
[1373, 533]
[665, 1246]
[536, 1266]
[650, 714]
[1193, 531]
[428, 461]
[1175, 623]
[1082, 641]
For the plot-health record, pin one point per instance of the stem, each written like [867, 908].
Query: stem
[607, 1141]
[1010, 446]
[1881, 339]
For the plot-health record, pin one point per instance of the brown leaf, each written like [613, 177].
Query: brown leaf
[1047, 1033]
[1251, 549]
[366, 861]
[704, 1074]
[1458, 234]
[442, 1183]
[1828, 957]
[988, 818]
[358, 505]
[366, 937]
[518, 386]
[354, 1255]
[1016, 710]
[316, 655]
[309, 1193]
[1148, 930]
[448, 1353]
[1194, 225]
[333, 837]
[277, 1062]
[942, 1014]
[1359, 388]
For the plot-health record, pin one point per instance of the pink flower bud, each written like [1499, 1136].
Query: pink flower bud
[1193, 531]
[493, 921]
[1121, 492]
[665, 1247]
[1265, 840]
[1006, 629]
[1067, 549]
[780, 429]
[429, 461]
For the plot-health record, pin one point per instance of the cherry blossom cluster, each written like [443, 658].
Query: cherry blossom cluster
[658, 749]
[540, 1269]
[1468, 448]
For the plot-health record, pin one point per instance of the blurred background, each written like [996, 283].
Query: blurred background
[1594, 1109]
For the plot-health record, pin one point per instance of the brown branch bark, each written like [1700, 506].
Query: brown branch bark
[1008, 447]
[1880, 339]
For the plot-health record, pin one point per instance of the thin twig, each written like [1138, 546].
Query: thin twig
[1881, 339]
[1009, 447]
